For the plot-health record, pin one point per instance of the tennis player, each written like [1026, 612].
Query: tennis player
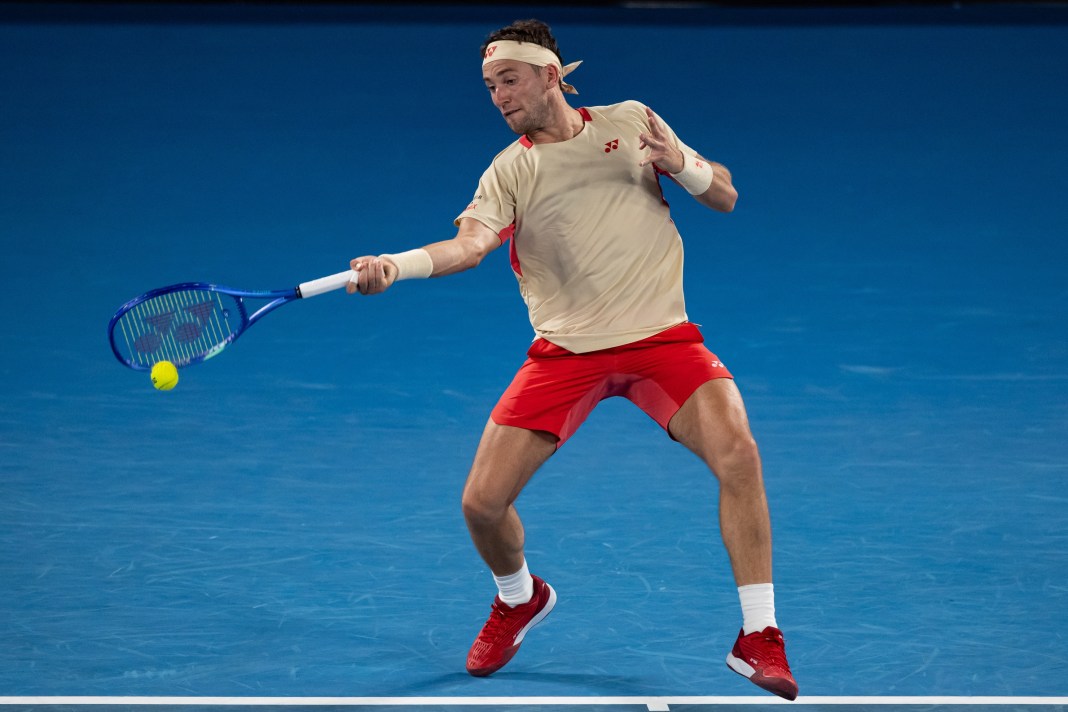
[599, 263]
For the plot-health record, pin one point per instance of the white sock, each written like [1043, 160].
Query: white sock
[515, 588]
[758, 607]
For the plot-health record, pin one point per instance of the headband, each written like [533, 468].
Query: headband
[530, 53]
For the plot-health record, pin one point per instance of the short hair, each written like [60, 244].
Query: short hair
[533, 31]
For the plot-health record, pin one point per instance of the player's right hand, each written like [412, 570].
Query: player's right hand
[374, 275]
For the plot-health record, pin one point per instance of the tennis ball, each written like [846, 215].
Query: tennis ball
[164, 376]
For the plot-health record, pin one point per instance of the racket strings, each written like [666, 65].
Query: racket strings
[179, 326]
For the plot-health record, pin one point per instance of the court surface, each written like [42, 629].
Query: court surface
[283, 529]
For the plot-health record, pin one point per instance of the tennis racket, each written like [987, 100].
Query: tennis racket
[192, 322]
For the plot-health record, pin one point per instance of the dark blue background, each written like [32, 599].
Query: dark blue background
[890, 294]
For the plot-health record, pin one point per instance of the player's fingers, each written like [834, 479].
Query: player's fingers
[367, 277]
[354, 280]
[653, 142]
[375, 277]
[654, 123]
[358, 265]
[655, 146]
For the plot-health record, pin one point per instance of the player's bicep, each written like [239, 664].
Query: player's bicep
[480, 233]
[479, 238]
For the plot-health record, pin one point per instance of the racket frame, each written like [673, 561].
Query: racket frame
[276, 298]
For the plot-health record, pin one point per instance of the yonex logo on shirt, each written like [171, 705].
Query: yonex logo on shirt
[611, 145]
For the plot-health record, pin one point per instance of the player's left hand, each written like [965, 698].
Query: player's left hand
[662, 151]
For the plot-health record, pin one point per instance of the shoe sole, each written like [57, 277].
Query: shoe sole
[510, 652]
[777, 685]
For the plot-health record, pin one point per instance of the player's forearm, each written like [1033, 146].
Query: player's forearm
[455, 255]
[721, 194]
[707, 181]
[473, 242]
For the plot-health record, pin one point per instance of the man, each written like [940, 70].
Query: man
[599, 265]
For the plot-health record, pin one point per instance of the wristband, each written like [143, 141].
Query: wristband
[413, 264]
[696, 175]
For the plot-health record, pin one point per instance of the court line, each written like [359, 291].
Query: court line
[654, 704]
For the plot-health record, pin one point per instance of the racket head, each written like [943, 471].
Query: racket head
[184, 324]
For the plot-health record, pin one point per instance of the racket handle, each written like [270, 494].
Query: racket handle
[325, 284]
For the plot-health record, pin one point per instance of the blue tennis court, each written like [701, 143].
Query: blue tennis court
[283, 529]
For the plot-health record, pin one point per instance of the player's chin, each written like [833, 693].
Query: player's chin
[516, 123]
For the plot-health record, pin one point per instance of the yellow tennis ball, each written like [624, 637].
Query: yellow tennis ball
[164, 376]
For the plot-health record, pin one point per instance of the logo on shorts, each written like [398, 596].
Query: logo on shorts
[611, 145]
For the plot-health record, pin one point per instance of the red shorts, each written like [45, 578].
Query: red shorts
[555, 390]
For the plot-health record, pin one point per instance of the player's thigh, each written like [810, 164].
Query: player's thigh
[714, 425]
[506, 459]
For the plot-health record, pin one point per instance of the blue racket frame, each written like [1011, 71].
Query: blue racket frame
[277, 298]
[180, 325]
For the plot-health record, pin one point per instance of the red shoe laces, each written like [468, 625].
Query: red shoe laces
[770, 650]
[497, 623]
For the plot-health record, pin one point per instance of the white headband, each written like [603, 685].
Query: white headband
[530, 53]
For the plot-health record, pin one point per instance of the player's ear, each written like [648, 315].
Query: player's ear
[552, 76]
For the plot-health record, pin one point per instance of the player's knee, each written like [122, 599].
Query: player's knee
[737, 463]
[478, 509]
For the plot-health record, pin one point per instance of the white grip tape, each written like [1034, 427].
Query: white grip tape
[326, 284]
[696, 175]
[413, 264]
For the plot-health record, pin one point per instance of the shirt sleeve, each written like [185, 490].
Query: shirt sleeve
[493, 204]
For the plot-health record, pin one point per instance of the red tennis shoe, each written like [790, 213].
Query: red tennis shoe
[504, 631]
[761, 657]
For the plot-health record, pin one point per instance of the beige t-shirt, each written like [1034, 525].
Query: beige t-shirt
[597, 256]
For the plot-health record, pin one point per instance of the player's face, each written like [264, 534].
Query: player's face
[519, 92]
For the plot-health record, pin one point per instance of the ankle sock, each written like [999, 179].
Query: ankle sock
[758, 607]
[515, 589]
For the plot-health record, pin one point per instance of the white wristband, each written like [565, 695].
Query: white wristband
[413, 264]
[696, 175]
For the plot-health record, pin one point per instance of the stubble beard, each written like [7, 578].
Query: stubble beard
[531, 119]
